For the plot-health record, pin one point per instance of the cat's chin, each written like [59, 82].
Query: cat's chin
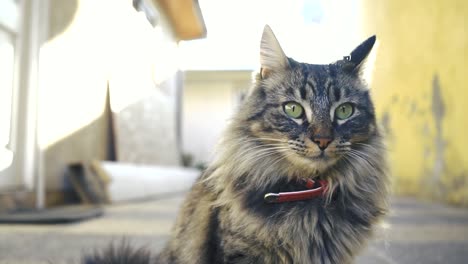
[313, 165]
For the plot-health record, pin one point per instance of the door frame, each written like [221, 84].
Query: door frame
[25, 173]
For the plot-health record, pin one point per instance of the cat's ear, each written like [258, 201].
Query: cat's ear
[272, 57]
[359, 54]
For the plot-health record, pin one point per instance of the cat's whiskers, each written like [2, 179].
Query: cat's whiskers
[266, 153]
[281, 157]
[271, 168]
[272, 139]
[348, 154]
[344, 148]
[259, 139]
[296, 145]
[268, 147]
[251, 155]
[265, 149]
[346, 159]
[363, 162]
[257, 146]
[361, 153]
[365, 144]
[263, 155]
[347, 147]
[263, 146]
[262, 152]
[355, 188]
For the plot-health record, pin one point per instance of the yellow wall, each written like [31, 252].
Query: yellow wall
[420, 87]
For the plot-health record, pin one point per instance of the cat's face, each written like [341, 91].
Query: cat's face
[311, 115]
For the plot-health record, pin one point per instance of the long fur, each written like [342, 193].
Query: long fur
[121, 253]
[224, 218]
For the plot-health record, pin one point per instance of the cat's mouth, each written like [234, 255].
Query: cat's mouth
[321, 156]
[311, 158]
[308, 150]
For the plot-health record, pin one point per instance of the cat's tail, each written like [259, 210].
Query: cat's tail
[122, 253]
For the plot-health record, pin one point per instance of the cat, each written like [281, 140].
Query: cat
[299, 175]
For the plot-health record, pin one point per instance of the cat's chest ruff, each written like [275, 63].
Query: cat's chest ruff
[286, 236]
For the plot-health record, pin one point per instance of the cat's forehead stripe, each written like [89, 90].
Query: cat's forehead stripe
[328, 87]
[303, 88]
[312, 85]
[336, 93]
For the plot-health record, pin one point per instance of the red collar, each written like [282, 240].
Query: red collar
[315, 189]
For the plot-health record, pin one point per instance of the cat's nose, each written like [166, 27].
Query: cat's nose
[322, 142]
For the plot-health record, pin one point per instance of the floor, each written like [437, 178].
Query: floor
[414, 232]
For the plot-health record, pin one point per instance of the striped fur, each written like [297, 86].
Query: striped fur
[224, 218]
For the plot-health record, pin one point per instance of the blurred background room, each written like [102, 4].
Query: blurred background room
[110, 109]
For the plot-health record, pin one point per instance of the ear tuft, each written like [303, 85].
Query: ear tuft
[272, 57]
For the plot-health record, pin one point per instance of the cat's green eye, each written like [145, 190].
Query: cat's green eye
[344, 111]
[293, 109]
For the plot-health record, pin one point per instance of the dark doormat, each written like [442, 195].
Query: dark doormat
[65, 214]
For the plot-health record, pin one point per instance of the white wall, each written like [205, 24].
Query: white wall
[92, 44]
[209, 100]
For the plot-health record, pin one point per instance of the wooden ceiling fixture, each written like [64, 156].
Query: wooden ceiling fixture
[185, 18]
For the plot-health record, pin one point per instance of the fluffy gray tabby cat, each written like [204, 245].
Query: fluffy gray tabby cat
[301, 121]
